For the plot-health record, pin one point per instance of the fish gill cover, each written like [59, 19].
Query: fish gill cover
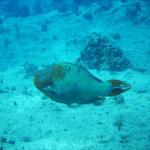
[36, 33]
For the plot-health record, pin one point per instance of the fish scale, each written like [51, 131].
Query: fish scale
[76, 83]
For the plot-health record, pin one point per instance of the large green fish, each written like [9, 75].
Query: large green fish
[69, 83]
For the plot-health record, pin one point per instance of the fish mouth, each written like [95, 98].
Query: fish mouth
[125, 87]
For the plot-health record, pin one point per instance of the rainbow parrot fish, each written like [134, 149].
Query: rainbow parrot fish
[69, 83]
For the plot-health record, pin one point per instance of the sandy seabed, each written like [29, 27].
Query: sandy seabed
[30, 121]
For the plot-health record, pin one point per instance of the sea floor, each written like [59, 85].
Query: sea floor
[31, 121]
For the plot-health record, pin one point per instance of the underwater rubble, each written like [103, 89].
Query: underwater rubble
[100, 53]
[136, 12]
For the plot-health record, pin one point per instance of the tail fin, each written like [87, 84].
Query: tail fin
[118, 87]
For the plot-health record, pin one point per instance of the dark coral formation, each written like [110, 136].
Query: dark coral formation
[37, 7]
[106, 5]
[3, 139]
[138, 12]
[100, 53]
[88, 16]
[133, 10]
[84, 2]
[14, 9]
[23, 9]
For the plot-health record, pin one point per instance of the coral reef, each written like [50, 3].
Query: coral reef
[100, 53]
[3, 139]
[84, 2]
[138, 12]
[37, 7]
[23, 11]
[106, 5]
[61, 6]
[116, 36]
[14, 9]
[133, 10]
[88, 16]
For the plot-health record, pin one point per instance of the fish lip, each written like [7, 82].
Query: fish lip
[126, 87]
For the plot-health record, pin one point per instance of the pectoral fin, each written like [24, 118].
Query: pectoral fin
[48, 91]
[98, 100]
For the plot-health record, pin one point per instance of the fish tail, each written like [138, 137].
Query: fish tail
[118, 87]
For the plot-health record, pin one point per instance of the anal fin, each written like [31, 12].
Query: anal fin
[98, 100]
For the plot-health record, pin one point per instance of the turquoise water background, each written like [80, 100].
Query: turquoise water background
[36, 33]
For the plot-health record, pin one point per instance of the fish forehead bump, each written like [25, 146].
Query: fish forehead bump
[115, 82]
[42, 78]
[48, 75]
[58, 71]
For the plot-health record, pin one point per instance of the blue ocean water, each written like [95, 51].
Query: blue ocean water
[110, 38]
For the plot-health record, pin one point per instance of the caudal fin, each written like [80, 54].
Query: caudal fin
[118, 87]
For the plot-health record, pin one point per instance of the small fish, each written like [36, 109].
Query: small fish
[69, 83]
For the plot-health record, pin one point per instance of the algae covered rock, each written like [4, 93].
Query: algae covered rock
[100, 53]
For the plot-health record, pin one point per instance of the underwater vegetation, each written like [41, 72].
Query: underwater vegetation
[100, 53]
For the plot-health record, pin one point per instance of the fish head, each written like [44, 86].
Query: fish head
[48, 76]
[42, 78]
[118, 87]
